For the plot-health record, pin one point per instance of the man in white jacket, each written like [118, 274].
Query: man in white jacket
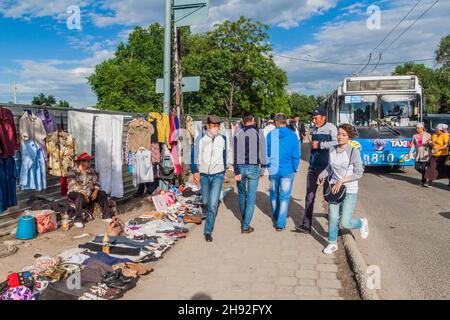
[208, 164]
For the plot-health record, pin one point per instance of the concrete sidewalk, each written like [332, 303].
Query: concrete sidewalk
[262, 265]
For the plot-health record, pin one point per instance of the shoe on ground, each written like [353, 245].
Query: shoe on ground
[208, 238]
[279, 229]
[107, 220]
[79, 225]
[249, 230]
[364, 230]
[332, 247]
[303, 229]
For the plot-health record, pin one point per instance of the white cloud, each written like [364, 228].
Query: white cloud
[37, 8]
[351, 42]
[65, 79]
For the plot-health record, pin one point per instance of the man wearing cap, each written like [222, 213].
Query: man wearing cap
[208, 165]
[84, 189]
[324, 137]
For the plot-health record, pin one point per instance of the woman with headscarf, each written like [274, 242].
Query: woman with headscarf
[439, 143]
[420, 143]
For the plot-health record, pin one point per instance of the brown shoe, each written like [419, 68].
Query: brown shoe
[192, 219]
[249, 230]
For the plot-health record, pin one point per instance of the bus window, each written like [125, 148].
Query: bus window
[400, 110]
[360, 114]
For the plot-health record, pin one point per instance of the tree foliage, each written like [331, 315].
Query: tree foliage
[237, 72]
[43, 100]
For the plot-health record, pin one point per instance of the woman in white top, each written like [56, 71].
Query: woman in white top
[345, 168]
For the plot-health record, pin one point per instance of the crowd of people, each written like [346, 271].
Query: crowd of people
[275, 151]
[432, 154]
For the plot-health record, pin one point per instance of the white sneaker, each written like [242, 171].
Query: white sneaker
[79, 225]
[332, 247]
[108, 220]
[364, 230]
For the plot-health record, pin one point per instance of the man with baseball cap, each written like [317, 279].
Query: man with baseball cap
[84, 189]
[324, 137]
[208, 165]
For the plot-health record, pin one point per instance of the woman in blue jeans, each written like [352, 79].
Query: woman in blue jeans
[345, 168]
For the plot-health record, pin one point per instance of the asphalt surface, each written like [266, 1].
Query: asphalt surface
[409, 233]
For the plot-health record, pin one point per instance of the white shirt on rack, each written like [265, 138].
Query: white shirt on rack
[142, 167]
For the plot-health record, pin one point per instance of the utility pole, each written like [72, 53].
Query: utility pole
[167, 56]
[15, 92]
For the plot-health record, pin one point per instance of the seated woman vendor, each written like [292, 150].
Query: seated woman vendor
[84, 189]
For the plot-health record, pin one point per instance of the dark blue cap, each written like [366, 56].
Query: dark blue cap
[319, 112]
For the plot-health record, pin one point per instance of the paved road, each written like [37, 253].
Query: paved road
[261, 265]
[410, 234]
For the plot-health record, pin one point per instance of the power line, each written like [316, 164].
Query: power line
[378, 63]
[349, 64]
[410, 26]
[398, 24]
[366, 65]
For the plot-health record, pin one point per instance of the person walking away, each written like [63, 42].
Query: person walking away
[84, 189]
[270, 126]
[208, 165]
[247, 169]
[345, 169]
[324, 138]
[283, 159]
[420, 143]
[298, 127]
[439, 143]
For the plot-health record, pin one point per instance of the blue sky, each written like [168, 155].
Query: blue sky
[43, 55]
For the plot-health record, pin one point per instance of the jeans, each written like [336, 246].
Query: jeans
[280, 195]
[247, 188]
[343, 212]
[211, 188]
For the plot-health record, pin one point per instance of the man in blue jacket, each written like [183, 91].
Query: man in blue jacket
[283, 159]
[324, 138]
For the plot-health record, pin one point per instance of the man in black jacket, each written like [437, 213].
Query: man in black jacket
[298, 127]
[248, 154]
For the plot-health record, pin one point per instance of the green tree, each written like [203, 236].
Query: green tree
[443, 52]
[127, 81]
[302, 105]
[63, 104]
[43, 100]
[237, 71]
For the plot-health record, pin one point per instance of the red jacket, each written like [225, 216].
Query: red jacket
[9, 143]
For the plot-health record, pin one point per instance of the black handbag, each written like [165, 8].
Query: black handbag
[420, 167]
[335, 198]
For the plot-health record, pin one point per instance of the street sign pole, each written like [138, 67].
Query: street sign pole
[167, 55]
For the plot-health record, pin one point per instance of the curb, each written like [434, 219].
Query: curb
[359, 266]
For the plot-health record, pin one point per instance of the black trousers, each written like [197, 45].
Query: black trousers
[311, 189]
[80, 204]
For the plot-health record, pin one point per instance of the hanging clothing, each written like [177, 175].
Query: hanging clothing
[108, 151]
[80, 127]
[139, 135]
[8, 182]
[156, 153]
[32, 172]
[61, 152]
[31, 127]
[48, 119]
[64, 186]
[142, 167]
[154, 136]
[174, 154]
[9, 143]
[163, 127]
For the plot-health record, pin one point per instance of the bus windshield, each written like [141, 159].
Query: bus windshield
[361, 113]
[400, 111]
